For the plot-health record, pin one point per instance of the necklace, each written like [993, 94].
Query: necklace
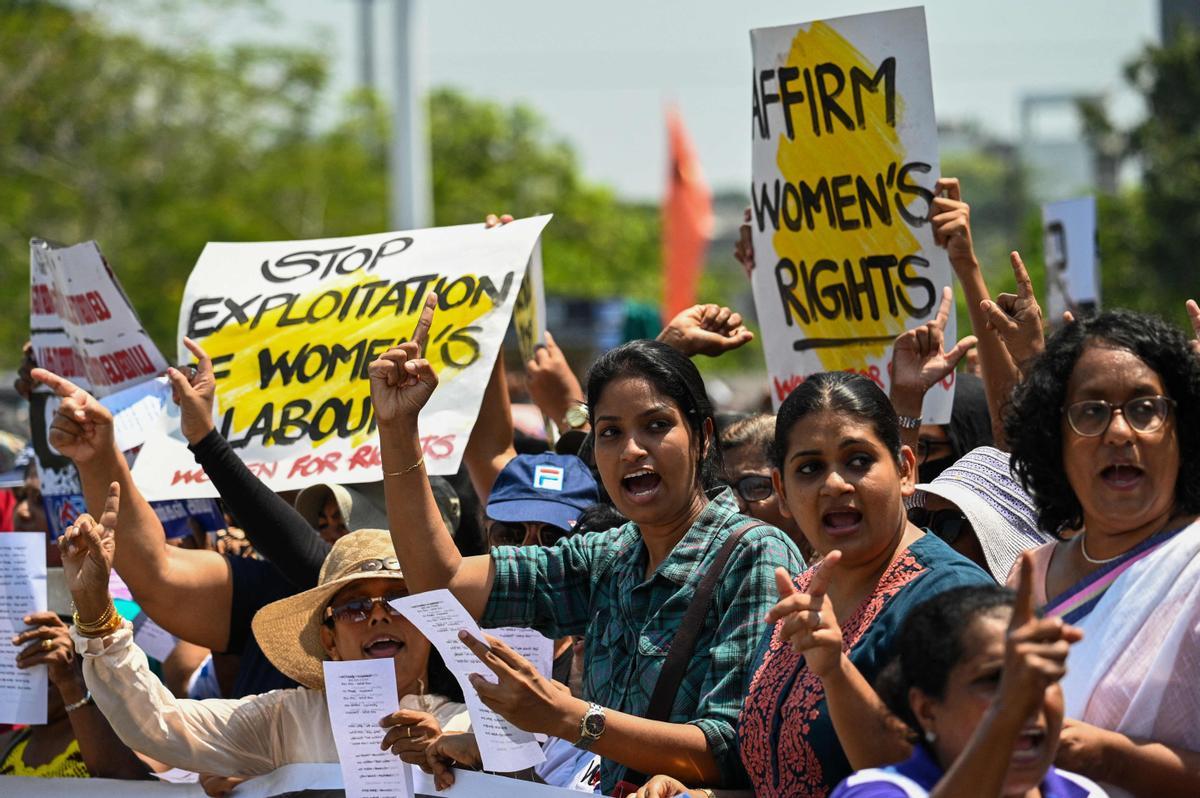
[1092, 560]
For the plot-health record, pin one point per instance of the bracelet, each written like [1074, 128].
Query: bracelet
[110, 620]
[909, 422]
[87, 699]
[402, 472]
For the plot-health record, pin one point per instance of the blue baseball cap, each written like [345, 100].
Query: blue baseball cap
[544, 488]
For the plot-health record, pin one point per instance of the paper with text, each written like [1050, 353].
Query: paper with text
[22, 591]
[359, 694]
[439, 616]
[469, 784]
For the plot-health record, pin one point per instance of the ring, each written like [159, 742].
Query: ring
[820, 621]
[408, 732]
[47, 644]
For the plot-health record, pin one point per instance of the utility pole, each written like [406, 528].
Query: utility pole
[366, 44]
[411, 202]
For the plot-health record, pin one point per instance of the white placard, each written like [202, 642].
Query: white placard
[845, 160]
[439, 616]
[293, 325]
[359, 694]
[151, 638]
[22, 591]
[1072, 264]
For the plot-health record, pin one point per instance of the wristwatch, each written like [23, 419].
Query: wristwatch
[909, 422]
[591, 726]
[576, 416]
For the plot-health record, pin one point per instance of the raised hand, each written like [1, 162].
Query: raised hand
[950, 219]
[551, 383]
[1017, 318]
[87, 550]
[48, 643]
[493, 220]
[1193, 311]
[1035, 651]
[706, 330]
[743, 250]
[808, 620]
[82, 427]
[409, 733]
[194, 394]
[402, 380]
[919, 361]
[522, 696]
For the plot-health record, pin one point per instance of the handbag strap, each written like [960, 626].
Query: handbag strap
[683, 644]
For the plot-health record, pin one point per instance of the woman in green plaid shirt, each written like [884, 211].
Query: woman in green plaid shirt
[626, 590]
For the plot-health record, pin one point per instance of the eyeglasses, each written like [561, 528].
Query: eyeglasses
[515, 533]
[753, 488]
[947, 524]
[927, 446]
[1091, 417]
[359, 609]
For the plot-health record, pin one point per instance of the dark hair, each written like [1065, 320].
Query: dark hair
[675, 376]
[930, 644]
[1033, 422]
[970, 421]
[599, 517]
[441, 680]
[756, 431]
[839, 392]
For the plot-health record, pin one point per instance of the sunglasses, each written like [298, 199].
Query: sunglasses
[947, 524]
[753, 488]
[1091, 417]
[359, 609]
[515, 533]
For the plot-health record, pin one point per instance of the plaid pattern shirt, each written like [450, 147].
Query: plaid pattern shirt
[594, 585]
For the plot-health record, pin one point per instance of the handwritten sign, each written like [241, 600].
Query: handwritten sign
[293, 325]
[844, 164]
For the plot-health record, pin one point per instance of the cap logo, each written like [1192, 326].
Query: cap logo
[548, 477]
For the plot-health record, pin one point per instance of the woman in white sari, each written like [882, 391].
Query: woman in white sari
[1105, 435]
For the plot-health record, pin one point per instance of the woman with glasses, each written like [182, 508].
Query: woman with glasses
[746, 452]
[1105, 435]
[345, 617]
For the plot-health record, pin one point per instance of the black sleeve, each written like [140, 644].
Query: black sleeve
[271, 525]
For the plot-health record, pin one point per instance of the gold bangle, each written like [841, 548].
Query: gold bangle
[104, 618]
[109, 620]
[401, 473]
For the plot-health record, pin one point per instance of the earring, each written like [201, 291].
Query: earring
[930, 737]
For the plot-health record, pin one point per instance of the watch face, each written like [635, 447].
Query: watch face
[593, 724]
[576, 416]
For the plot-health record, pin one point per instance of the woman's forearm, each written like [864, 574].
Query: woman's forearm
[679, 750]
[103, 752]
[423, 545]
[1145, 768]
[980, 769]
[870, 735]
[998, 372]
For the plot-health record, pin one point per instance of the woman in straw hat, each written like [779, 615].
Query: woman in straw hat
[346, 617]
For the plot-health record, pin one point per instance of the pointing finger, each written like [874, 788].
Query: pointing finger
[60, 385]
[203, 361]
[943, 314]
[1023, 606]
[783, 583]
[824, 575]
[1194, 314]
[1024, 284]
[959, 351]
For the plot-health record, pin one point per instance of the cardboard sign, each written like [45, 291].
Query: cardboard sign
[1072, 265]
[845, 160]
[293, 325]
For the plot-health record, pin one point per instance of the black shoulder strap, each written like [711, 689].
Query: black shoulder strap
[683, 644]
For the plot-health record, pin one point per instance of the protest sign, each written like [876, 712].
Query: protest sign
[83, 327]
[844, 164]
[529, 313]
[22, 591]
[1072, 265]
[293, 325]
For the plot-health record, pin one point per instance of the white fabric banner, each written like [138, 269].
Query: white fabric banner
[292, 325]
[845, 159]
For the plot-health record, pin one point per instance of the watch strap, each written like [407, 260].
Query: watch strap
[909, 422]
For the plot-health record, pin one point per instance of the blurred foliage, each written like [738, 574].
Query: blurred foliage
[154, 150]
[1150, 236]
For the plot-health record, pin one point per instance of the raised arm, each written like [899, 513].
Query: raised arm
[168, 582]
[491, 444]
[402, 381]
[919, 362]
[273, 527]
[870, 735]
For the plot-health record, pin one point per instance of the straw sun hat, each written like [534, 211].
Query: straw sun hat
[289, 630]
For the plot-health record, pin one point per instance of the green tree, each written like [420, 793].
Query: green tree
[155, 149]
